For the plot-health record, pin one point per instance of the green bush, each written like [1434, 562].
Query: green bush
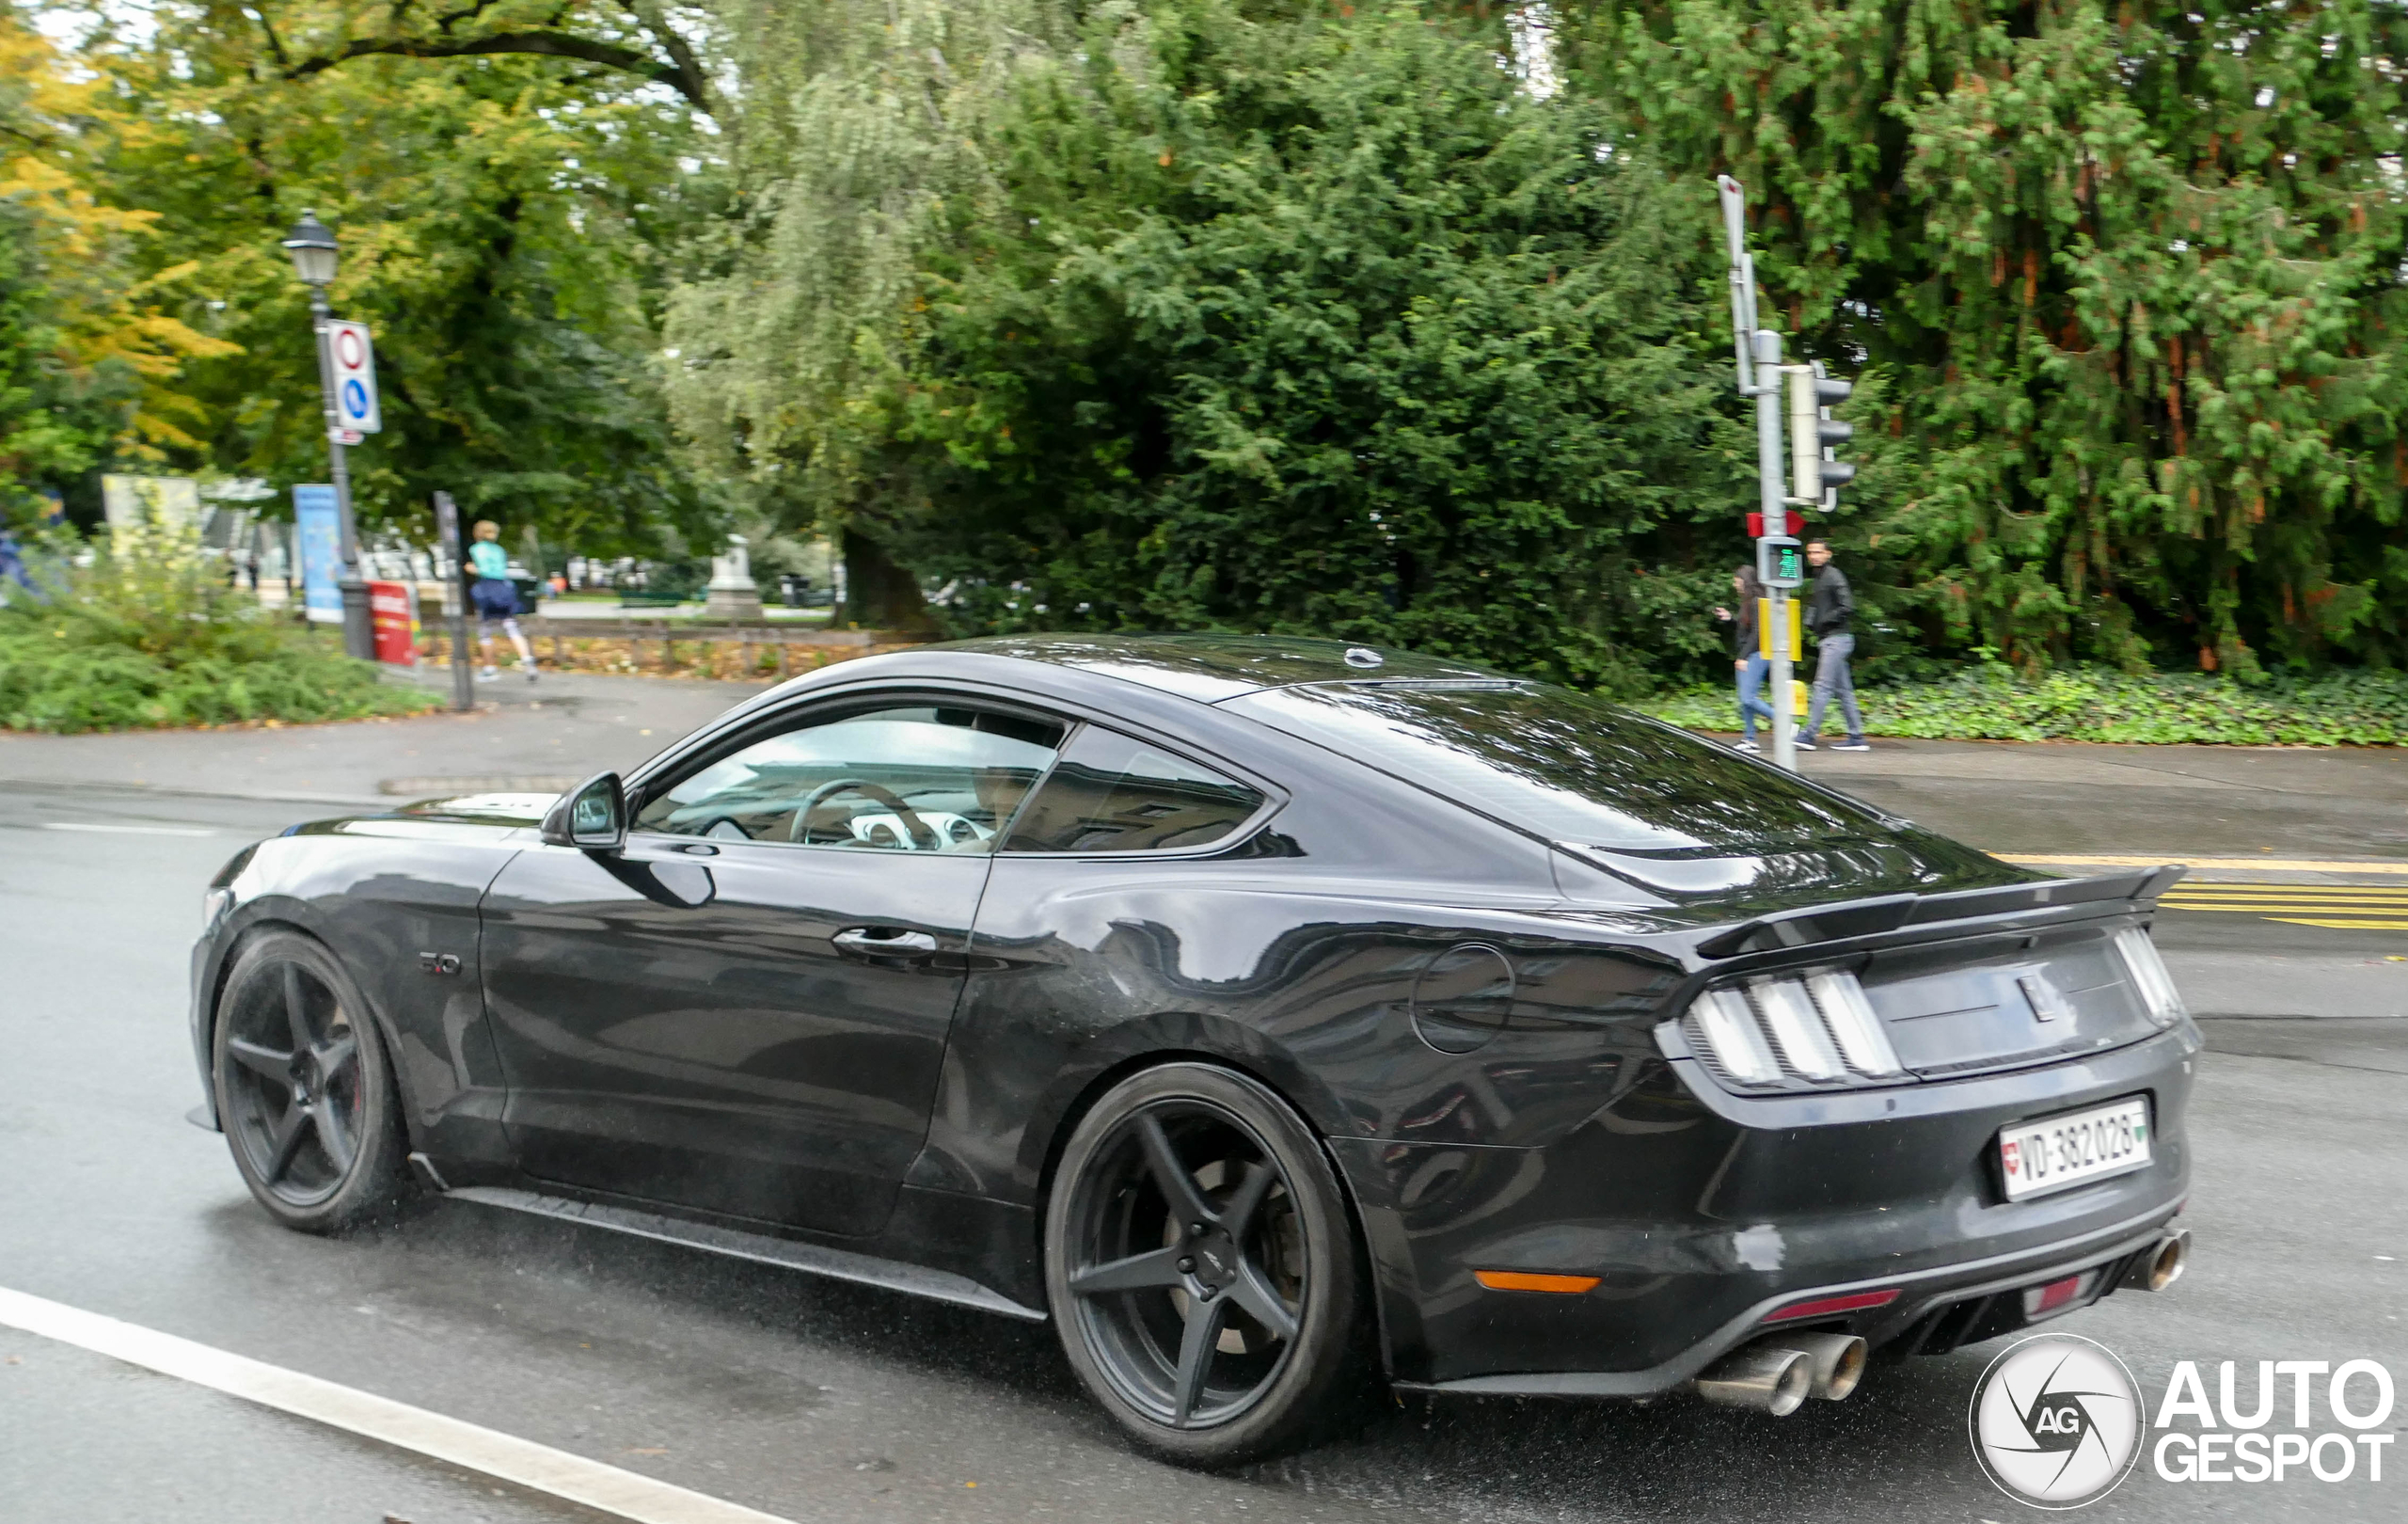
[147, 637]
[1989, 703]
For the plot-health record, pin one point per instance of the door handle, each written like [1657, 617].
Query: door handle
[883, 942]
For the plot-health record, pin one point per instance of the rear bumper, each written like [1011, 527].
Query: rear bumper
[1701, 1213]
[1927, 1301]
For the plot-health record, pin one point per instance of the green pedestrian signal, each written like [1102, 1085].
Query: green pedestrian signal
[1781, 562]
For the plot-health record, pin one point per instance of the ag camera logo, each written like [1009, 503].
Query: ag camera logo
[2056, 1421]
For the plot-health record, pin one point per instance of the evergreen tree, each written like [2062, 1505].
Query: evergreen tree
[2128, 279]
[1193, 317]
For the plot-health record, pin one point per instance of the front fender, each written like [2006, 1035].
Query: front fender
[382, 894]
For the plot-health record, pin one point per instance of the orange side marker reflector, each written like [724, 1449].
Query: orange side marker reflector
[1521, 1280]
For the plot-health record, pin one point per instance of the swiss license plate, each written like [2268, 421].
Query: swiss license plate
[2057, 1152]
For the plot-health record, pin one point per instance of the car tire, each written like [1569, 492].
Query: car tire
[305, 1095]
[1215, 1347]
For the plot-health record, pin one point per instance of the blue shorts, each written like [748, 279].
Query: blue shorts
[495, 598]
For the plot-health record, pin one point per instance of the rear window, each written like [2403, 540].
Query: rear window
[1567, 767]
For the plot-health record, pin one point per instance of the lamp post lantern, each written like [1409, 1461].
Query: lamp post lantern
[313, 246]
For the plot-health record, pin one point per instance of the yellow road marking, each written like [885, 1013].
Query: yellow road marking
[2254, 905]
[2273, 899]
[2345, 926]
[2231, 886]
[2344, 907]
[2360, 910]
[2319, 886]
[2376, 901]
[2277, 865]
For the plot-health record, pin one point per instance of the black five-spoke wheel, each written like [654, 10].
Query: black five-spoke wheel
[1202, 1266]
[302, 1088]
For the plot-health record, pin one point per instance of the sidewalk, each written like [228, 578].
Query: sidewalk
[2172, 803]
[533, 737]
[2018, 800]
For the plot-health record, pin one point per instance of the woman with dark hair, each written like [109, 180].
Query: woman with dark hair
[1748, 658]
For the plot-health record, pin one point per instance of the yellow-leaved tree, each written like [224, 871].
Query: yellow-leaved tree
[91, 347]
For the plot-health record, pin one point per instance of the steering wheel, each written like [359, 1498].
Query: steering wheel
[923, 835]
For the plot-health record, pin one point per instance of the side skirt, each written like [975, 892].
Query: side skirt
[838, 1264]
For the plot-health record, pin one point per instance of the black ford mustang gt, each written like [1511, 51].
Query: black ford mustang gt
[1267, 1013]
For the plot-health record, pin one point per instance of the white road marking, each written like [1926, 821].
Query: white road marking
[538, 1468]
[127, 830]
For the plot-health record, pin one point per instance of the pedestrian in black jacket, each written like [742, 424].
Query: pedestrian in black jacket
[1830, 608]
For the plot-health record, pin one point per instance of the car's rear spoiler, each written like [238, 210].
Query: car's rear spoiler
[1887, 913]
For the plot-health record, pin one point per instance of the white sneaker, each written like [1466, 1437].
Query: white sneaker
[529, 668]
[1803, 745]
[1852, 746]
[1745, 746]
[486, 674]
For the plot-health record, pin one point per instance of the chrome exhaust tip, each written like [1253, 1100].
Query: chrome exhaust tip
[2161, 1265]
[1834, 1361]
[1766, 1377]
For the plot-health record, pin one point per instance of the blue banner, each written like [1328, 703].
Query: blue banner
[320, 536]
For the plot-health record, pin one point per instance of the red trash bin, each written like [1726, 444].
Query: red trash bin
[392, 611]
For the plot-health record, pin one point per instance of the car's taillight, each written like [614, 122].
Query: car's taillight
[1728, 1027]
[1793, 1033]
[2150, 975]
[1858, 1032]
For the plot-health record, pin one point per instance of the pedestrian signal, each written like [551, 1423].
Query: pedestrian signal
[1781, 562]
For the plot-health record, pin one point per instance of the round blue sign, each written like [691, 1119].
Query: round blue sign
[355, 399]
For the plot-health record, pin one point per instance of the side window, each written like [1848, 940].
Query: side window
[1111, 794]
[920, 778]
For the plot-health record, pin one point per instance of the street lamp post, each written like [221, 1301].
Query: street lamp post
[311, 244]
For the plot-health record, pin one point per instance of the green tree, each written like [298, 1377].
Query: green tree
[862, 142]
[508, 210]
[2130, 278]
[91, 353]
[1194, 315]
[1325, 325]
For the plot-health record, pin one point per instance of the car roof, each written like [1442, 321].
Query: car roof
[1212, 668]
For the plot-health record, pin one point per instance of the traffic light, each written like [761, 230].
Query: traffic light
[1817, 473]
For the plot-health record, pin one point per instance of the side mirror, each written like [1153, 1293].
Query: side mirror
[592, 817]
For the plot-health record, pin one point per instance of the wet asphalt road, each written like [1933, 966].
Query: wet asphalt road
[821, 1402]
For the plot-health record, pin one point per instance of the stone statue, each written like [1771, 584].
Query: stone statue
[732, 594]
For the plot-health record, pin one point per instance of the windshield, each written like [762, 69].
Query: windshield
[1568, 768]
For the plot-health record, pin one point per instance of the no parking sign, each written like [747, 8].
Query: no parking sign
[354, 361]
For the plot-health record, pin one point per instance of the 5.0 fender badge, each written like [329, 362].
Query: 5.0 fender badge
[439, 962]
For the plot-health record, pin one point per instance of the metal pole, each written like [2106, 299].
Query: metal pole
[1757, 352]
[447, 529]
[358, 632]
[1772, 497]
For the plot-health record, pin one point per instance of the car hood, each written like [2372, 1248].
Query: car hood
[499, 812]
